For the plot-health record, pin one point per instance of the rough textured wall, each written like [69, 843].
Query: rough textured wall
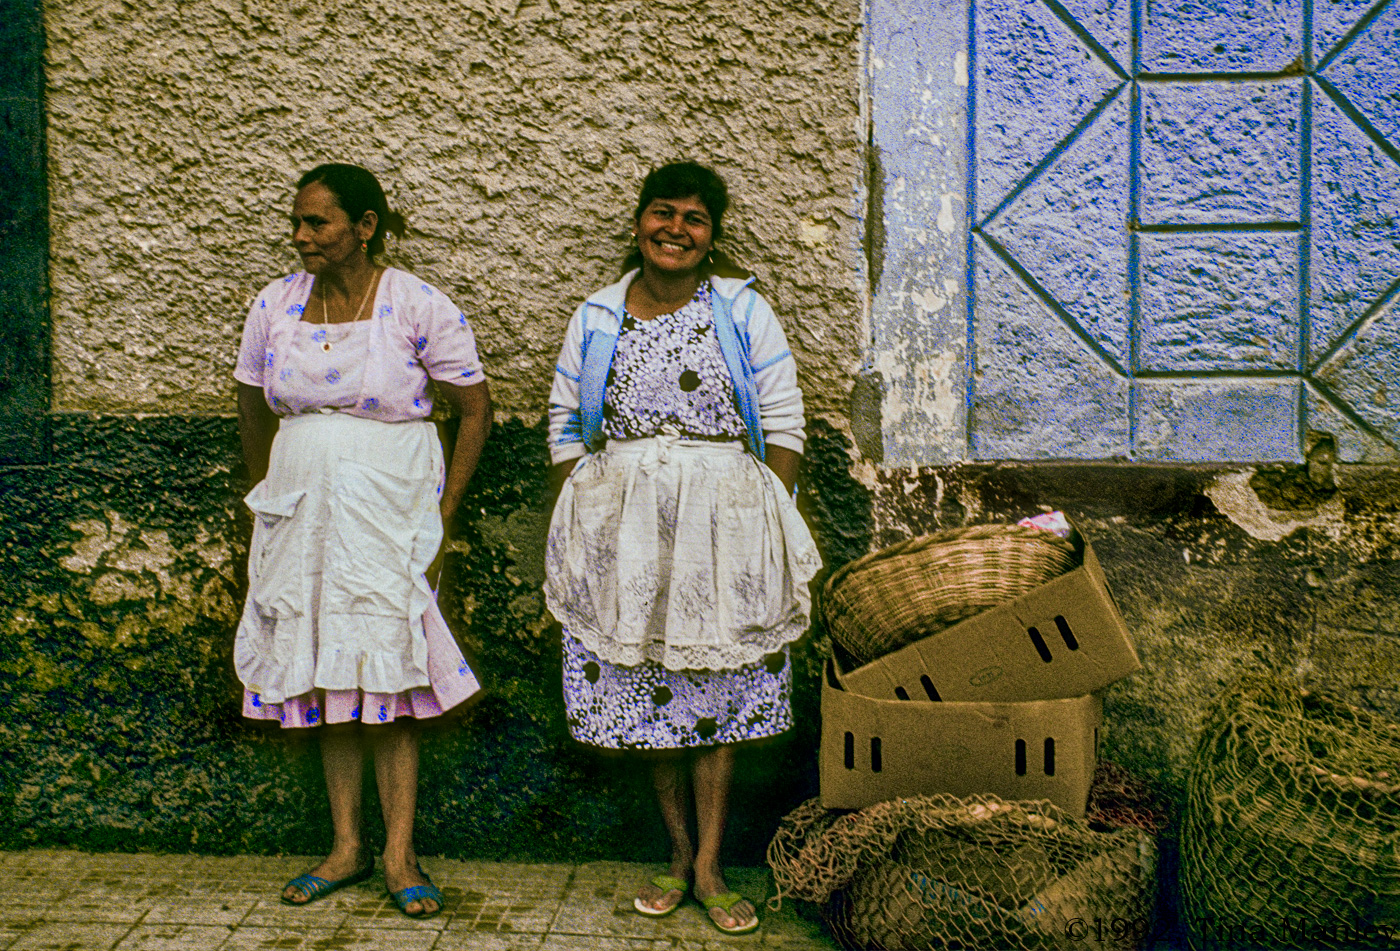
[1167, 234]
[121, 580]
[513, 134]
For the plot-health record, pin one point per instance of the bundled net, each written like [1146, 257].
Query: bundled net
[1291, 836]
[976, 872]
[919, 587]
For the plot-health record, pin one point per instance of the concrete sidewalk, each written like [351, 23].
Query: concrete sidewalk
[82, 902]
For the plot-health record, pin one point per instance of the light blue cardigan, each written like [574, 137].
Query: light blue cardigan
[753, 345]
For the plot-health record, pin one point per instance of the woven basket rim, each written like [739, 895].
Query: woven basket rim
[918, 543]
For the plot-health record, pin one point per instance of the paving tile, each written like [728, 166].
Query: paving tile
[373, 939]
[579, 942]
[71, 936]
[488, 941]
[80, 906]
[327, 914]
[174, 938]
[201, 910]
[283, 939]
[379, 913]
[16, 916]
[486, 897]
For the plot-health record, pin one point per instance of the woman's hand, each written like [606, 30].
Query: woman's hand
[558, 475]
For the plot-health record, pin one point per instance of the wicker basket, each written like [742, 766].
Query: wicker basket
[919, 587]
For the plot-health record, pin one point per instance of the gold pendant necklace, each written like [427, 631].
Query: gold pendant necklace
[325, 319]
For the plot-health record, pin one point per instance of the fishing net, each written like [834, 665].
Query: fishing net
[1291, 837]
[977, 872]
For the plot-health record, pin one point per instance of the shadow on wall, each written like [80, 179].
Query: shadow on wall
[122, 584]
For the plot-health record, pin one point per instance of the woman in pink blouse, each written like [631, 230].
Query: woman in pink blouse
[341, 629]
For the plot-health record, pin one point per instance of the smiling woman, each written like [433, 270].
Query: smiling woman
[341, 630]
[677, 562]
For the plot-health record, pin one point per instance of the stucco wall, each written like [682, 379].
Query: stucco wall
[513, 135]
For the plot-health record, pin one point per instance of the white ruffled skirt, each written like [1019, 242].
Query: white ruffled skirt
[684, 553]
[340, 622]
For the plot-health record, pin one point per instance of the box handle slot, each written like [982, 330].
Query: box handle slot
[1065, 633]
[850, 750]
[1020, 757]
[875, 761]
[1049, 756]
[929, 688]
[1039, 643]
[901, 693]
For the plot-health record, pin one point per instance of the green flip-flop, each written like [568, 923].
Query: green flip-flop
[726, 902]
[667, 883]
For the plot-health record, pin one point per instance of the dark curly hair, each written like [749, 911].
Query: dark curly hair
[357, 191]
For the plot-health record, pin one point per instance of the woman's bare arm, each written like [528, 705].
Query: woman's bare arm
[472, 404]
[257, 424]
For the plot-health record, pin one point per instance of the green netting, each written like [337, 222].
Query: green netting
[977, 872]
[1291, 837]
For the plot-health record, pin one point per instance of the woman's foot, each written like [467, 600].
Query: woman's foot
[340, 865]
[401, 874]
[663, 901]
[738, 918]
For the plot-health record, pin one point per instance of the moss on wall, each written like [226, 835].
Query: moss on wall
[121, 581]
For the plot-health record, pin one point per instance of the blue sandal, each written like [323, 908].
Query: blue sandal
[314, 887]
[416, 893]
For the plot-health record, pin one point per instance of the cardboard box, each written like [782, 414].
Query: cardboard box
[873, 749]
[1064, 639]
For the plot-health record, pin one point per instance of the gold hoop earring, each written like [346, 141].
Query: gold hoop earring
[364, 246]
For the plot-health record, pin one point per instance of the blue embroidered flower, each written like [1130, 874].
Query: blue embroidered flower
[333, 376]
[462, 669]
[285, 375]
[355, 713]
[466, 373]
[257, 701]
[297, 309]
[271, 359]
[289, 278]
[427, 290]
[462, 319]
[417, 402]
[313, 715]
[319, 336]
[385, 310]
[262, 304]
[383, 713]
[370, 403]
[420, 344]
[412, 364]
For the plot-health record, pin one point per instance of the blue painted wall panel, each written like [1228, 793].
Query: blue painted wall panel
[1213, 419]
[1066, 230]
[1028, 55]
[1355, 234]
[1221, 153]
[918, 80]
[1189, 36]
[1038, 392]
[1206, 235]
[1365, 71]
[1219, 301]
